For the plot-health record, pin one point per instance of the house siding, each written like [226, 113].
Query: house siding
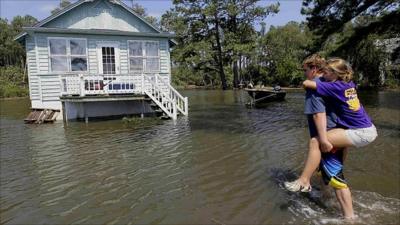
[50, 87]
[42, 54]
[33, 79]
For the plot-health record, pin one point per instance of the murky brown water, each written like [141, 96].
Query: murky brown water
[221, 165]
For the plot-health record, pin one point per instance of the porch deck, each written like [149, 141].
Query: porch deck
[104, 98]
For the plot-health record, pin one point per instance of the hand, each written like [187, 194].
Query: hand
[326, 146]
[304, 84]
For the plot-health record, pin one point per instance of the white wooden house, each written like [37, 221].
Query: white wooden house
[99, 58]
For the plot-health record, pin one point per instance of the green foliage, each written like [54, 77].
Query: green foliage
[210, 36]
[12, 52]
[352, 30]
[286, 48]
[327, 17]
[367, 58]
[12, 82]
[257, 74]
[12, 57]
[392, 77]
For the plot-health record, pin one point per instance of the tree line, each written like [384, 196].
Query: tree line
[226, 44]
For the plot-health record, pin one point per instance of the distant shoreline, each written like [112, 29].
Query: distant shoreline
[193, 87]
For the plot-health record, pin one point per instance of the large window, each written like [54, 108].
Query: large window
[144, 56]
[67, 55]
[58, 54]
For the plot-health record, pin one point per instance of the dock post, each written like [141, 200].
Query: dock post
[186, 106]
[85, 113]
[142, 113]
[64, 112]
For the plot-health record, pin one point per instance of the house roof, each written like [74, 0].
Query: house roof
[40, 24]
[95, 32]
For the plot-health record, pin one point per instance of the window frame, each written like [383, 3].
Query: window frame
[68, 54]
[144, 56]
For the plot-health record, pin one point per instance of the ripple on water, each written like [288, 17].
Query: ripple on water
[223, 164]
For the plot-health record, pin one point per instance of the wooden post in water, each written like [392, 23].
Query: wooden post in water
[142, 114]
[64, 112]
[186, 106]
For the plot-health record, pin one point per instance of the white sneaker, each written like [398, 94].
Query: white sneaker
[295, 186]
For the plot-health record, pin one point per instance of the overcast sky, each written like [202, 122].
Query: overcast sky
[289, 9]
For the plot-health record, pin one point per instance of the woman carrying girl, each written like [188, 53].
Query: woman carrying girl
[355, 128]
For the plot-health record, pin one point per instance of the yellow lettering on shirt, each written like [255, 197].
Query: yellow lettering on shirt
[354, 104]
[353, 101]
[349, 93]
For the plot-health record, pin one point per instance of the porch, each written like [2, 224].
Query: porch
[97, 91]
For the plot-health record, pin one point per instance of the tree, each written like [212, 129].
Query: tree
[12, 57]
[11, 52]
[62, 5]
[210, 33]
[351, 29]
[326, 17]
[241, 15]
[141, 11]
[286, 47]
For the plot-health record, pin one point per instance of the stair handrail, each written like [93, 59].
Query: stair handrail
[170, 110]
[173, 91]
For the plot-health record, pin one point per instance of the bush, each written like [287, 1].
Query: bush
[12, 82]
[11, 90]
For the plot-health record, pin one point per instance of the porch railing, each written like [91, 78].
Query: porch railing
[82, 85]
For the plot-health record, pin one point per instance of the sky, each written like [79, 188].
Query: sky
[289, 9]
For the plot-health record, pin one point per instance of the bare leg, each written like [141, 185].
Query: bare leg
[312, 162]
[346, 202]
[338, 139]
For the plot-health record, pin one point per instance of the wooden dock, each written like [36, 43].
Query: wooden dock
[39, 116]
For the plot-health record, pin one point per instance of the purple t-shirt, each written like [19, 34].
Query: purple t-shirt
[350, 113]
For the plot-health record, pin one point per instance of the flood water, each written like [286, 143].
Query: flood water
[224, 164]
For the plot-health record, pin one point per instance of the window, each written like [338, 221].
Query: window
[67, 55]
[135, 56]
[78, 55]
[153, 59]
[144, 56]
[58, 55]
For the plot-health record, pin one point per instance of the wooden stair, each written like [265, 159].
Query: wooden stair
[166, 101]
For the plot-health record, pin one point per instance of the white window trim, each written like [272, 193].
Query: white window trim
[144, 56]
[68, 54]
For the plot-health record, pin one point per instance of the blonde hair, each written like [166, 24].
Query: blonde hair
[316, 61]
[341, 68]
